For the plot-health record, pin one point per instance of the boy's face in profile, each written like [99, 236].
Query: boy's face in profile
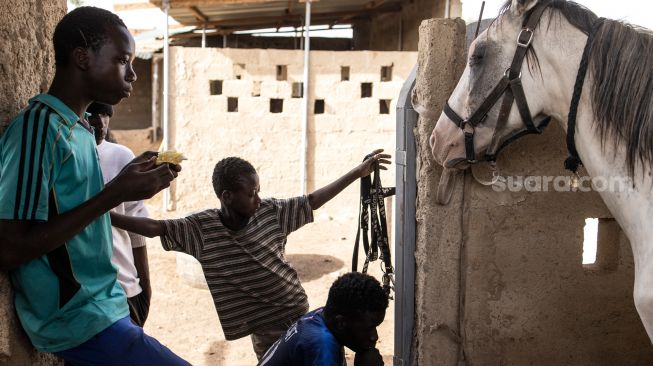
[110, 71]
[245, 201]
[360, 331]
[100, 123]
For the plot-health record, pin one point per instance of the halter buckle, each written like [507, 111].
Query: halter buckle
[467, 127]
[507, 75]
[527, 42]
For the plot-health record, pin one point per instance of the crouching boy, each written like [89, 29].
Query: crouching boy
[355, 307]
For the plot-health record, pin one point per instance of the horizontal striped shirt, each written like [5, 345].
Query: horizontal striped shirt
[252, 285]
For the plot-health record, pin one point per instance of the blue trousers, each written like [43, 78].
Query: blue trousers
[122, 344]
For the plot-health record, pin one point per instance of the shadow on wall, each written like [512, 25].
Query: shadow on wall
[310, 267]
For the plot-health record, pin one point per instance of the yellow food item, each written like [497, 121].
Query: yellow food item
[170, 156]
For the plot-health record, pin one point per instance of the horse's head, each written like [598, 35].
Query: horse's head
[475, 105]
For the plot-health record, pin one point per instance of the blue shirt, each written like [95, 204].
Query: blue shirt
[48, 166]
[308, 342]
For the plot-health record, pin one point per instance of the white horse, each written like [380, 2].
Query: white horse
[614, 124]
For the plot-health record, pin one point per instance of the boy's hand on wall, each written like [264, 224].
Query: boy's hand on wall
[367, 167]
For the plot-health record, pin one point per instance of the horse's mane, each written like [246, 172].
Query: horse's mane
[621, 71]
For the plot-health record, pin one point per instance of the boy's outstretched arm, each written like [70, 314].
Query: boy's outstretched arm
[139, 225]
[326, 193]
[24, 240]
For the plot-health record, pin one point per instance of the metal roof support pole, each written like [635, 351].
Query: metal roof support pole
[204, 36]
[307, 69]
[401, 34]
[447, 9]
[301, 38]
[166, 96]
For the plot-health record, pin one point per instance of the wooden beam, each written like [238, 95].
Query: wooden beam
[294, 18]
[289, 7]
[375, 4]
[231, 29]
[174, 4]
[133, 6]
[198, 14]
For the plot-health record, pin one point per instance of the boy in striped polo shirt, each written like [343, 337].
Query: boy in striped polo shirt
[241, 247]
[55, 233]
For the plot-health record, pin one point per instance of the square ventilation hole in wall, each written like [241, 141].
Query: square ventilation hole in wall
[386, 73]
[384, 106]
[215, 87]
[601, 244]
[276, 105]
[297, 90]
[318, 108]
[366, 90]
[239, 71]
[282, 72]
[232, 104]
[344, 73]
[256, 88]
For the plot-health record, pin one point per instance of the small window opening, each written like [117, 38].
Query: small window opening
[319, 106]
[386, 73]
[344, 73]
[276, 105]
[232, 104]
[366, 90]
[239, 71]
[256, 88]
[282, 72]
[601, 244]
[384, 106]
[215, 87]
[298, 90]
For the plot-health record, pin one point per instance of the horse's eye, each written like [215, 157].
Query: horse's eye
[475, 59]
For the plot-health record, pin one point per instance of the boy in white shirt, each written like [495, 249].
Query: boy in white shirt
[129, 250]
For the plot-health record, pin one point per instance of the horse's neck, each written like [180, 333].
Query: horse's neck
[632, 209]
[631, 204]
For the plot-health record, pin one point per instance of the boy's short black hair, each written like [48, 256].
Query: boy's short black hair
[227, 172]
[84, 27]
[100, 108]
[355, 293]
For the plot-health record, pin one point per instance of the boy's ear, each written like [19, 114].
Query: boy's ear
[81, 58]
[341, 323]
[226, 197]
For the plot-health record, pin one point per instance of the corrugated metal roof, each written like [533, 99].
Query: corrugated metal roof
[230, 15]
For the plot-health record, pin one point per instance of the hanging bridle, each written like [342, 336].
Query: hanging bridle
[510, 86]
[372, 212]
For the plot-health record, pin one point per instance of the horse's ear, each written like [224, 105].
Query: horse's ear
[519, 7]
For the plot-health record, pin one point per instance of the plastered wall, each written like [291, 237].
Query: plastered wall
[349, 127]
[500, 279]
[26, 68]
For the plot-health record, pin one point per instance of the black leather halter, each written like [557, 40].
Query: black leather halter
[372, 212]
[511, 88]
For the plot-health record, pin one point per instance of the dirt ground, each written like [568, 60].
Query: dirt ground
[183, 317]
